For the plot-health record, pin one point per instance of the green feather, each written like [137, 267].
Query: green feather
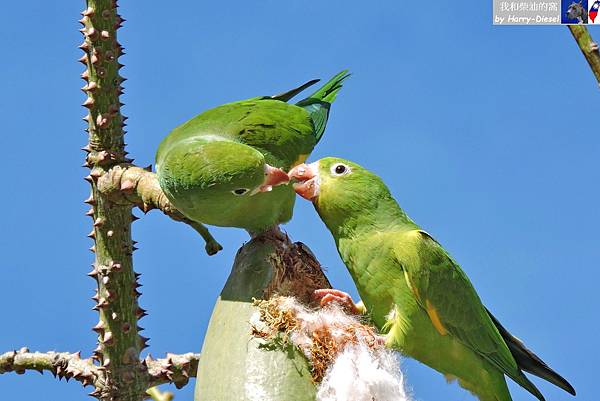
[328, 92]
[286, 96]
[319, 103]
[530, 362]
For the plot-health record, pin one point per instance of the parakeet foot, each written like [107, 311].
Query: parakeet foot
[327, 296]
[212, 247]
[380, 340]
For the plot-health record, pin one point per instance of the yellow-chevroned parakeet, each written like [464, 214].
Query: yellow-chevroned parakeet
[223, 167]
[414, 291]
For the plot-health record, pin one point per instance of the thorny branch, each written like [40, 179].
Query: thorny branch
[128, 184]
[588, 47]
[61, 364]
[174, 368]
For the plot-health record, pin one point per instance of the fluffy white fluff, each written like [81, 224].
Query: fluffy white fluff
[360, 372]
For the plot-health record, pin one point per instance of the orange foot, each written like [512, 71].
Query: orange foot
[327, 296]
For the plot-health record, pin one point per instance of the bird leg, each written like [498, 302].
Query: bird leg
[211, 245]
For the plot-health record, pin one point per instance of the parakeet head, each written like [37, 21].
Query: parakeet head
[232, 170]
[341, 190]
[216, 181]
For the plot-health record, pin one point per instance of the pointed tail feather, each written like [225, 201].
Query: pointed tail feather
[327, 92]
[319, 102]
[524, 382]
[530, 362]
[285, 96]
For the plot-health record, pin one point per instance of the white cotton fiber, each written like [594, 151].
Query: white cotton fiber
[362, 370]
[362, 374]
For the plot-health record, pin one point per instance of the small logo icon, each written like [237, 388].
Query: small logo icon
[593, 12]
[574, 12]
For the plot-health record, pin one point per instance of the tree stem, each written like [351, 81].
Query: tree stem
[119, 342]
[588, 47]
[61, 364]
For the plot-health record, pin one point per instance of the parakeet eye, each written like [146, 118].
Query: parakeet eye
[340, 169]
[239, 191]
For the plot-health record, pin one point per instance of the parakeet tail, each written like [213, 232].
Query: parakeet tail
[285, 96]
[319, 102]
[530, 362]
[524, 382]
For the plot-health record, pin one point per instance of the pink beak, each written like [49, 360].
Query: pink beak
[273, 176]
[308, 177]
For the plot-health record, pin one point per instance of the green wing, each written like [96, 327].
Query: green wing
[281, 131]
[285, 133]
[450, 300]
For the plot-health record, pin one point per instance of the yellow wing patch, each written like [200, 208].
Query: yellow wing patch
[301, 159]
[414, 289]
[435, 319]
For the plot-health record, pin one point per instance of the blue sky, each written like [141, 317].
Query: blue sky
[486, 135]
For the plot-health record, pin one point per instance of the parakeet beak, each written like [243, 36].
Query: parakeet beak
[273, 176]
[308, 179]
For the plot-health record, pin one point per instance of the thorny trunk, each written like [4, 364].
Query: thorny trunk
[119, 342]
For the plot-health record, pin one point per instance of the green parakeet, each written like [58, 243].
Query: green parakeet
[224, 166]
[413, 290]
